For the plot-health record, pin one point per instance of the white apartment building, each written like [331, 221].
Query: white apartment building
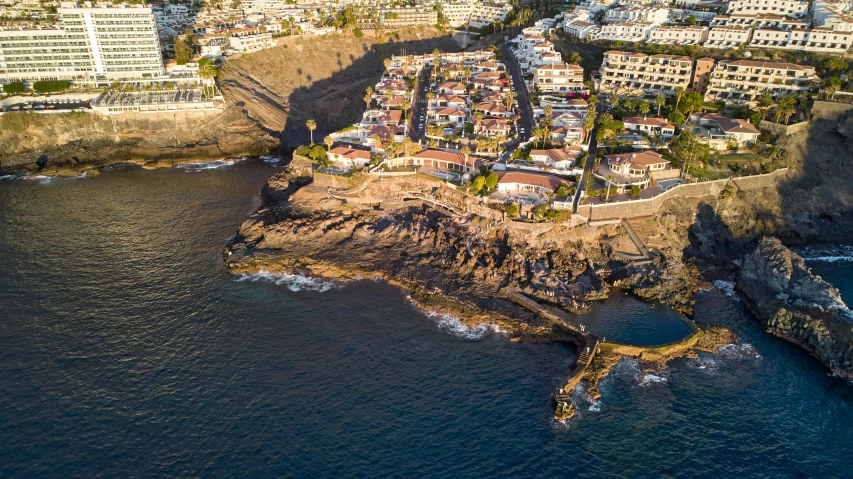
[90, 44]
[743, 80]
[625, 72]
[580, 28]
[475, 14]
[728, 37]
[637, 14]
[560, 78]
[824, 10]
[760, 21]
[790, 8]
[679, 35]
[623, 31]
[818, 39]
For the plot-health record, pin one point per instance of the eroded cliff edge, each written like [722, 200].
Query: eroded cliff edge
[70, 143]
[797, 305]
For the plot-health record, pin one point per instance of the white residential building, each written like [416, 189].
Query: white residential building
[89, 45]
[728, 37]
[818, 39]
[679, 35]
[637, 14]
[560, 78]
[623, 31]
[743, 80]
[625, 72]
[790, 8]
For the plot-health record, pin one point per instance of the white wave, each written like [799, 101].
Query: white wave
[44, 179]
[739, 351]
[595, 407]
[13, 177]
[454, 326]
[727, 288]
[649, 379]
[270, 159]
[207, 165]
[827, 254]
[705, 363]
[830, 259]
[294, 282]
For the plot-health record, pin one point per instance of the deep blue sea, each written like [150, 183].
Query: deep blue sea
[127, 351]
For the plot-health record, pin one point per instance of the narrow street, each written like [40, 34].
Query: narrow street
[417, 128]
[522, 98]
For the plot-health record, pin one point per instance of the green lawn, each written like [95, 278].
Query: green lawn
[709, 173]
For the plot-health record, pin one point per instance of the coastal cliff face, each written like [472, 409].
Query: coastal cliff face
[69, 143]
[793, 303]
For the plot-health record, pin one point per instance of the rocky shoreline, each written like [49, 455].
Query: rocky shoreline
[793, 303]
[457, 257]
[70, 144]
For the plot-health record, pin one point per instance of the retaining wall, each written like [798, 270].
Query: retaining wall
[648, 207]
[829, 110]
[779, 129]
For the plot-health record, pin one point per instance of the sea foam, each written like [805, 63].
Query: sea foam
[207, 165]
[454, 326]
[727, 288]
[294, 282]
[739, 351]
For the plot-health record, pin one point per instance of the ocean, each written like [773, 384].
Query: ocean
[126, 350]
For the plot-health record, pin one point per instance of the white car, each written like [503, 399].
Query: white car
[521, 130]
[426, 89]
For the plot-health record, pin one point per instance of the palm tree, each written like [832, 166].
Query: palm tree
[660, 101]
[509, 99]
[614, 100]
[679, 94]
[607, 185]
[763, 102]
[368, 97]
[644, 108]
[465, 152]
[405, 106]
[312, 125]
[466, 74]
[329, 142]
[787, 111]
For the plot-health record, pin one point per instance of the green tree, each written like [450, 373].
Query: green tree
[14, 88]
[763, 103]
[644, 108]
[512, 210]
[691, 20]
[831, 86]
[477, 184]
[357, 32]
[635, 191]
[51, 86]
[491, 181]
[660, 101]
[679, 94]
[676, 117]
[183, 49]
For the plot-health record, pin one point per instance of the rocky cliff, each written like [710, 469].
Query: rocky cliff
[430, 238]
[68, 143]
[793, 303]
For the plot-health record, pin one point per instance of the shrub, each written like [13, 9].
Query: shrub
[357, 32]
[635, 191]
[51, 86]
[512, 210]
[14, 88]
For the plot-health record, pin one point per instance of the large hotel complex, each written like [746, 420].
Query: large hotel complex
[90, 44]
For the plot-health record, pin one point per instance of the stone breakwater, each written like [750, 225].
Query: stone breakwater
[797, 305]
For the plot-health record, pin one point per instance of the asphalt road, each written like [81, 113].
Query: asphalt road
[47, 106]
[522, 97]
[417, 128]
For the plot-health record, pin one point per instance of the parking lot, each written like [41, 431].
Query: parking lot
[50, 105]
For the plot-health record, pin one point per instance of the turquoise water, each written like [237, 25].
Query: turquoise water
[127, 351]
